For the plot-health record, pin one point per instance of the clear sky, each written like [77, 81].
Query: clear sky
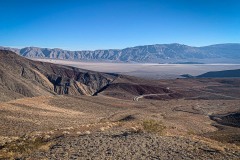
[104, 24]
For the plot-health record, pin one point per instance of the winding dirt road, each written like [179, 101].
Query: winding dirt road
[146, 95]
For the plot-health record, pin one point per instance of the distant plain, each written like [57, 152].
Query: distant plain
[146, 70]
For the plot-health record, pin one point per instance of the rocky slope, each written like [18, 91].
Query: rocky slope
[131, 145]
[159, 53]
[21, 77]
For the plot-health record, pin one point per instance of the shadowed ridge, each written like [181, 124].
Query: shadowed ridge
[23, 77]
[221, 74]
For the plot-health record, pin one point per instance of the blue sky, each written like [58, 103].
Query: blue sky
[104, 24]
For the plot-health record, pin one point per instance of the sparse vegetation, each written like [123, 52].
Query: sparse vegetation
[153, 126]
[22, 146]
[190, 132]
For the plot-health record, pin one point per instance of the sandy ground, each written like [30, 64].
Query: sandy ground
[45, 113]
[147, 70]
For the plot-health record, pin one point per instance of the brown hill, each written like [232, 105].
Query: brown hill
[132, 88]
[21, 77]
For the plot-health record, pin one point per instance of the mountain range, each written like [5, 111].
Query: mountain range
[158, 53]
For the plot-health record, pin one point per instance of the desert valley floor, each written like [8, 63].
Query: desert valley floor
[69, 113]
[145, 70]
[189, 122]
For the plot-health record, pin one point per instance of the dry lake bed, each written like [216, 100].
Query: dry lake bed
[146, 70]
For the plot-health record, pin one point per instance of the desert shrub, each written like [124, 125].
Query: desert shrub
[153, 126]
[25, 146]
[190, 132]
[20, 147]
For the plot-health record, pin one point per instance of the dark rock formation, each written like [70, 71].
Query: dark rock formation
[21, 77]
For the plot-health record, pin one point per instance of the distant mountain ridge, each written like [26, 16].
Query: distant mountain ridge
[158, 53]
